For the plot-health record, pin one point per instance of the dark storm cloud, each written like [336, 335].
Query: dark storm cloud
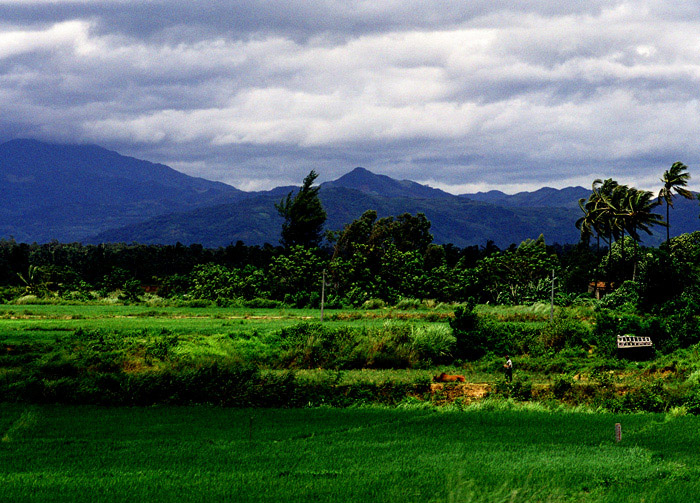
[463, 95]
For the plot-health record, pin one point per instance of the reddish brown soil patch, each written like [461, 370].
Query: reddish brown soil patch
[469, 392]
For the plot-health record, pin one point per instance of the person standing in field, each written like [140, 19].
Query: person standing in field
[508, 367]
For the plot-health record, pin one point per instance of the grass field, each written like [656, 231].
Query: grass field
[493, 450]
[41, 321]
[486, 454]
[33, 334]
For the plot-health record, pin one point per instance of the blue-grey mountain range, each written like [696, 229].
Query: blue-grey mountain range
[90, 194]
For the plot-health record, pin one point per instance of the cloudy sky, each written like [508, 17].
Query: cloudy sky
[464, 96]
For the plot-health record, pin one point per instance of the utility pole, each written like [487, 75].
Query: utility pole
[551, 310]
[323, 293]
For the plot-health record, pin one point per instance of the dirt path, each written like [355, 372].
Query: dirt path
[470, 392]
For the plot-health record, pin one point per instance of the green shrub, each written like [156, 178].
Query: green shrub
[35, 300]
[476, 336]
[131, 291]
[278, 390]
[306, 345]
[313, 345]
[260, 303]
[562, 385]
[196, 303]
[609, 324]
[564, 331]
[469, 341]
[517, 390]
[624, 298]
[406, 304]
[521, 390]
[56, 366]
[303, 299]
[160, 347]
[692, 400]
[333, 302]
[679, 331]
[650, 397]
[389, 347]
[373, 304]
[10, 293]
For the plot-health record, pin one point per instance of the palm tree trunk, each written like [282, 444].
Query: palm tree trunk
[597, 264]
[668, 226]
[622, 251]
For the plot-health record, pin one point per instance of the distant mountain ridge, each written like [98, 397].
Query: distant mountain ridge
[91, 194]
[544, 197]
[455, 220]
[69, 192]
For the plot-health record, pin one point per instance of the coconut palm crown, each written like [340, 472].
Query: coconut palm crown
[674, 180]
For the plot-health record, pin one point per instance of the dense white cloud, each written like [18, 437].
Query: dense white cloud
[255, 93]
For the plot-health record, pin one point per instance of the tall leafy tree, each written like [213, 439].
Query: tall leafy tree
[674, 180]
[355, 233]
[518, 275]
[303, 215]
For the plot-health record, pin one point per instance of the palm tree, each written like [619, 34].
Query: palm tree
[606, 201]
[674, 179]
[34, 283]
[638, 213]
[600, 215]
[619, 210]
[588, 224]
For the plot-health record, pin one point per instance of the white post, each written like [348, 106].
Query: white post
[618, 432]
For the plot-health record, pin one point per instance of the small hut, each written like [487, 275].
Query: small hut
[600, 288]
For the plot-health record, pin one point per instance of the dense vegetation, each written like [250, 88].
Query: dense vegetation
[141, 355]
[437, 293]
[372, 259]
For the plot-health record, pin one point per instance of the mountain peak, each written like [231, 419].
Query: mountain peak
[370, 183]
[360, 175]
[360, 171]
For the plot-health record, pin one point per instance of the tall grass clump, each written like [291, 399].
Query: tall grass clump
[392, 345]
[434, 344]
[564, 331]
[407, 304]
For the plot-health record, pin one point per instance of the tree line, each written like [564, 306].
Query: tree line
[377, 261]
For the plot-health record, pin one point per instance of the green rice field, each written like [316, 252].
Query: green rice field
[494, 452]
[34, 321]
